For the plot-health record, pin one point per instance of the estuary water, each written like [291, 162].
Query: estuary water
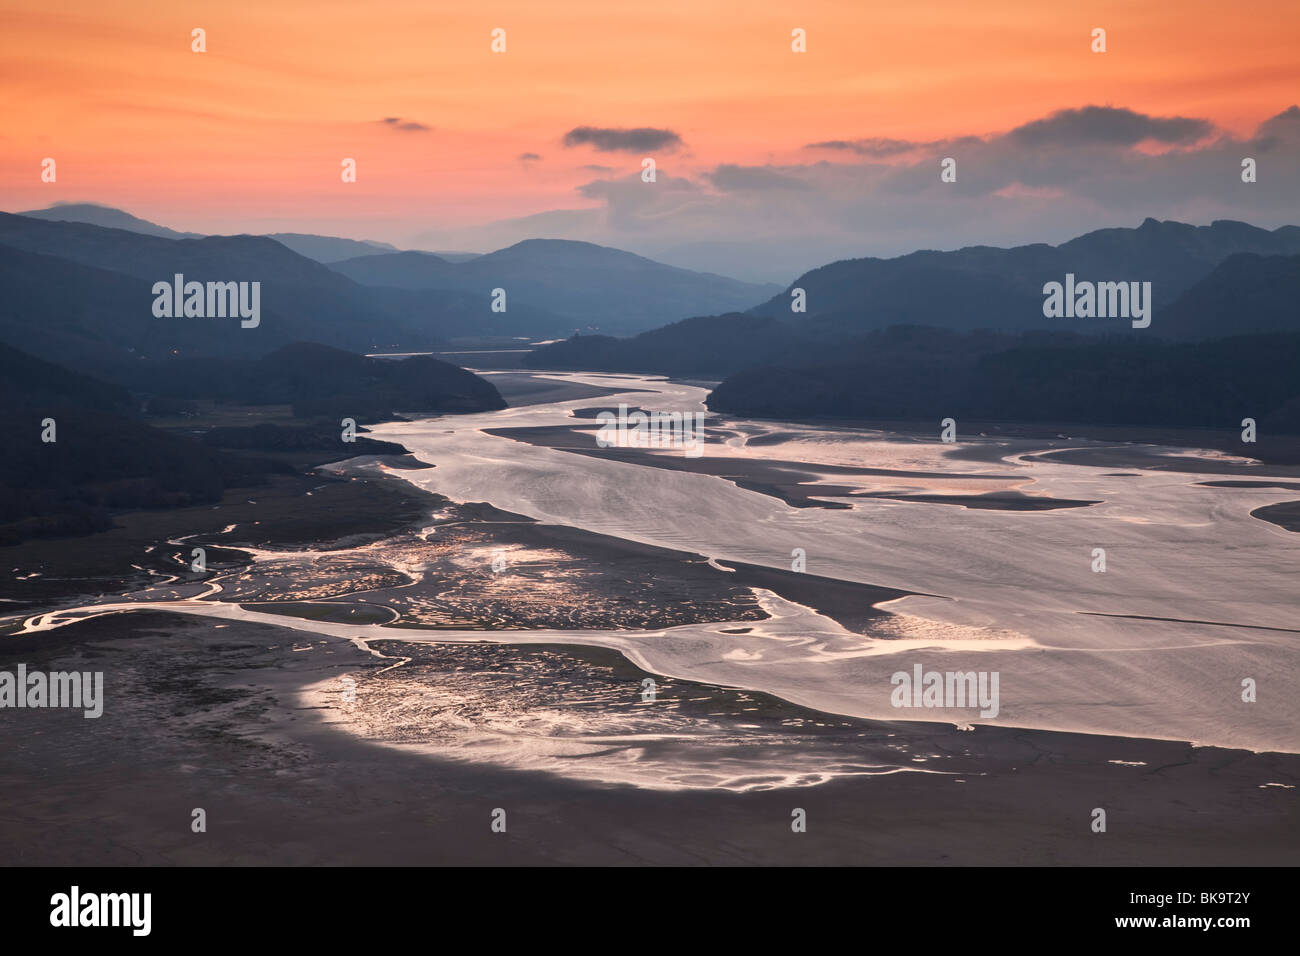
[1197, 596]
[1194, 614]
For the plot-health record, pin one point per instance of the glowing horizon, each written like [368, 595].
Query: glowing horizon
[249, 135]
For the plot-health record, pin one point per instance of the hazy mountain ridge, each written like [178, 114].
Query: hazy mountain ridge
[107, 312]
[706, 346]
[1225, 349]
[409, 300]
[100, 459]
[321, 381]
[320, 248]
[988, 287]
[589, 285]
[1212, 384]
[327, 249]
[104, 458]
[1245, 293]
[29, 382]
[107, 216]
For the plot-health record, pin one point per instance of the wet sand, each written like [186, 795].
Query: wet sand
[285, 784]
[1274, 449]
[1149, 458]
[288, 511]
[1012, 584]
[1006, 501]
[1285, 515]
[803, 486]
[243, 719]
[798, 484]
[526, 388]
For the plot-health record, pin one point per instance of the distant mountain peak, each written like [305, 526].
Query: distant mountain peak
[98, 214]
[1002, 288]
[565, 246]
[578, 284]
[73, 202]
[324, 249]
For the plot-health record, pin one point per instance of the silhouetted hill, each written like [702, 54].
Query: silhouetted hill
[456, 313]
[99, 460]
[1116, 381]
[606, 353]
[300, 299]
[320, 248]
[1244, 294]
[720, 345]
[295, 438]
[329, 249]
[28, 382]
[588, 285]
[104, 459]
[102, 462]
[399, 270]
[321, 381]
[96, 320]
[986, 287]
[97, 215]
[710, 346]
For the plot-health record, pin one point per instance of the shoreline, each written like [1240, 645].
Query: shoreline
[282, 783]
[1286, 453]
[289, 764]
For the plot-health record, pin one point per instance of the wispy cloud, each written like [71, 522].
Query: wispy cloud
[879, 147]
[408, 126]
[608, 140]
[1109, 126]
[1046, 179]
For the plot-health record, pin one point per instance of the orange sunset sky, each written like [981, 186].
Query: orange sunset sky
[248, 136]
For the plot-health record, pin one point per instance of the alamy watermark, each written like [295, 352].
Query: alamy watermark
[83, 691]
[212, 300]
[1100, 300]
[946, 689]
[75, 908]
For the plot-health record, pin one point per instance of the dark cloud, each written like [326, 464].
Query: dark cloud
[409, 126]
[1109, 126]
[529, 157]
[1288, 118]
[639, 140]
[874, 146]
[597, 168]
[1048, 179]
[1284, 128]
